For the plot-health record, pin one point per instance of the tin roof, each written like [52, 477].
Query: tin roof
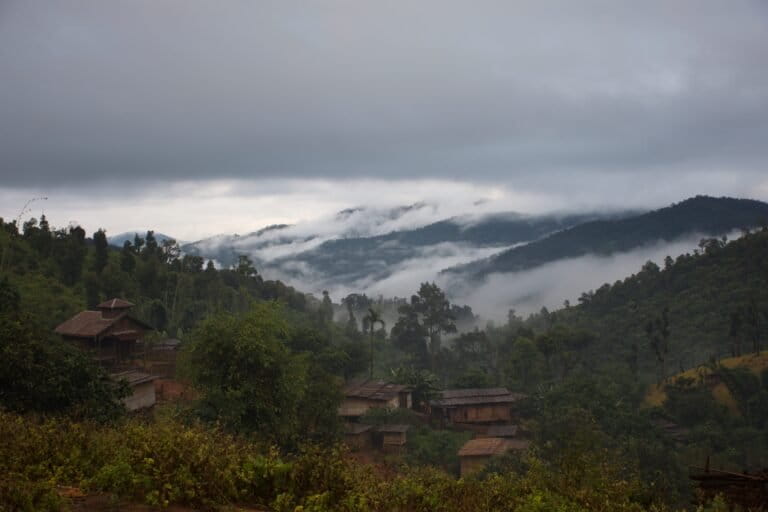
[475, 396]
[115, 304]
[374, 390]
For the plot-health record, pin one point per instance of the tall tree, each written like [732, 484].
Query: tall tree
[435, 311]
[101, 254]
[369, 321]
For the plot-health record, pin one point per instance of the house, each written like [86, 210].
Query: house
[358, 436]
[476, 453]
[109, 333]
[142, 388]
[393, 437]
[361, 396]
[474, 406]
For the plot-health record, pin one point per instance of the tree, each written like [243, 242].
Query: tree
[43, 374]
[435, 311]
[101, 254]
[73, 254]
[369, 321]
[326, 309]
[410, 336]
[657, 331]
[249, 379]
[127, 261]
[735, 333]
[424, 385]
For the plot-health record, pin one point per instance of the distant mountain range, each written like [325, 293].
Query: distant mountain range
[699, 215]
[359, 247]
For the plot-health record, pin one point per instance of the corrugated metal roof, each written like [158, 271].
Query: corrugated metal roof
[374, 390]
[115, 304]
[477, 396]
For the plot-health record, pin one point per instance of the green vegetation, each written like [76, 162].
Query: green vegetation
[267, 364]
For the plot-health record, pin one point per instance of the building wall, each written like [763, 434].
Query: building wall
[393, 438]
[143, 396]
[481, 413]
[473, 464]
[359, 406]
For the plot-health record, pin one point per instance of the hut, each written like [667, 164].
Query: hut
[142, 389]
[476, 453]
[361, 396]
[358, 436]
[109, 333]
[475, 406]
[393, 437]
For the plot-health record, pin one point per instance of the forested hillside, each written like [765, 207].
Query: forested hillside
[267, 364]
[700, 215]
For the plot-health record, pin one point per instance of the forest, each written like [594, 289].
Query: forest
[267, 363]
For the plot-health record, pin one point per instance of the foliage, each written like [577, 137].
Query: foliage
[168, 463]
[43, 374]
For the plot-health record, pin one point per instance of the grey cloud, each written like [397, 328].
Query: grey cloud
[513, 92]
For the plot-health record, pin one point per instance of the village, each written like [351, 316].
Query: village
[125, 347]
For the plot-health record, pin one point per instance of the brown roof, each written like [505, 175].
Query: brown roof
[476, 396]
[115, 304]
[374, 390]
[393, 428]
[88, 324]
[484, 446]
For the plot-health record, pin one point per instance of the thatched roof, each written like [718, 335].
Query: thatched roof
[374, 390]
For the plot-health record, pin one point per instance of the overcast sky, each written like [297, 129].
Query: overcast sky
[199, 117]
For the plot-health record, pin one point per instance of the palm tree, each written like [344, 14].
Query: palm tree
[370, 320]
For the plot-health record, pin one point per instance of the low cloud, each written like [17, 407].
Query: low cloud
[551, 284]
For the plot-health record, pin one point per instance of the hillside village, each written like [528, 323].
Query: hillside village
[120, 343]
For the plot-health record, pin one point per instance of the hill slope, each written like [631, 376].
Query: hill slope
[700, 215]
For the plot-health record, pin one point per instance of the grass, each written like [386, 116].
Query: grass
[755, 363]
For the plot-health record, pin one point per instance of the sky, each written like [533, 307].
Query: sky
[195, 117]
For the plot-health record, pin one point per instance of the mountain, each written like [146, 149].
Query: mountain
[375, 257]
[119, 240]
[701, 215]
[361, 244]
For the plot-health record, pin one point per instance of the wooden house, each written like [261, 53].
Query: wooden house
[361, 396]
[476, 453]
[358, 436]
[393, 437]
[474, 406]
[109, 333]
